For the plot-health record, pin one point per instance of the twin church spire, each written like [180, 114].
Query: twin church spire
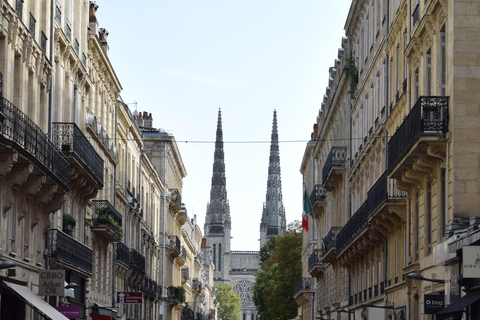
[217, 220]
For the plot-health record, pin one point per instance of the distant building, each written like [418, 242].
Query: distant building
[239, 267]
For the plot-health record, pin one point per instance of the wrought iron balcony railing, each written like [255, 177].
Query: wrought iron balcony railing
[22, 134]
[330, 240]
[149, 286]
[336, 158]
[429, 116]
[318, 194]
[68, 250]
[356, 223]
[137, 260]
[315, 259]
[304, 284]
[378, 194]
[176, 200]
[104, 209]
[174, 245]
[70, 139]
[123, 253]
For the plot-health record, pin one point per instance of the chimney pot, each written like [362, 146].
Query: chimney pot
[93, 8]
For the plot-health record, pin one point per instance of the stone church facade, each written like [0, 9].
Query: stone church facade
[239, 267]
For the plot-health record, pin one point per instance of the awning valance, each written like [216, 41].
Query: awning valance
[35, 301]
[455, 309]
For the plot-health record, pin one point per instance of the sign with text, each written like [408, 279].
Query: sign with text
[433, 303]
[52, 283]
[471, 261]
[69, 312]
[129, 297]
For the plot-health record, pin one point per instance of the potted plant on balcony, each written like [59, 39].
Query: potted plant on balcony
[180, 294]
[104, 217]
[69, 224]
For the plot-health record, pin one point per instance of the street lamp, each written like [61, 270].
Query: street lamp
[347, 311]
[418, 276]
[4, 265]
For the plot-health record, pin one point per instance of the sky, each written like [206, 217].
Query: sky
[183, 60]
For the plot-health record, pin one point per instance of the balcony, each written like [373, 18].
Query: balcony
[384, 207]
[352, 228]
[70, 139]
[188, 314]
[316, 263]
[334, 167]
[174, 246]
[196, 285]
[421, 134]
[318, 197]
[122, 254]
[68, 253]
[20, 133]
[108, 221]
[175, 201]
[182, 216]
[175, 295]
[185, 271]
[149, 287]
[302, 290]
[330, 243]
[137, 261]
[182, 257]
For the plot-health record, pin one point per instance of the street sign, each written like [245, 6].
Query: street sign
[69, 312]
[433, 303]
[52, 283]
[129, 297]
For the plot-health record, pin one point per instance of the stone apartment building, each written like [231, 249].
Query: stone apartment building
[79, 190]
[395, 198]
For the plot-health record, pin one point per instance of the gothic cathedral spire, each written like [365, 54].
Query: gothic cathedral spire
[217, 227]
[273, 216]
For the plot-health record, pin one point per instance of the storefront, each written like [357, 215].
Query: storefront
[17, 299]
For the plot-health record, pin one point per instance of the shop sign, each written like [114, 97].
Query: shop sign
[129, 297]
[69, 312]
[52, 283]
[433, 303]
[471, 261]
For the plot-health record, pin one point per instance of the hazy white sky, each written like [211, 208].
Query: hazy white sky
[182, 60]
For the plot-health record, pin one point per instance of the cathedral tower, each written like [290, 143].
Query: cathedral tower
[217, 227]
[273, 216]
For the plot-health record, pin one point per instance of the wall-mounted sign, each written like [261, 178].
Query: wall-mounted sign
[129, 297]
[69, 312]
[433, 303]
[471, 261]
[52, 283]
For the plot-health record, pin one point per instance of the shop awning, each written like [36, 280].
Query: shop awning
[35, 301]
[457, 307]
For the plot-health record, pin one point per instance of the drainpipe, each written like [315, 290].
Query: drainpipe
[51, 94]
[162, 305]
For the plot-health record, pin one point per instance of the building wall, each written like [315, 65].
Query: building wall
[395, 197]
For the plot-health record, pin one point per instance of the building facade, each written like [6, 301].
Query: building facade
[392, 195]
[86, 187]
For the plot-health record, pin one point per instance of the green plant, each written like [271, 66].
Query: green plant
[352, 72]
[104, 216]
[101, 210]
[180, 293]
[68, 224]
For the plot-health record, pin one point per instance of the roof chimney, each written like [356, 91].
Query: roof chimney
[148, 120]
[93, 23]
[103, 35]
